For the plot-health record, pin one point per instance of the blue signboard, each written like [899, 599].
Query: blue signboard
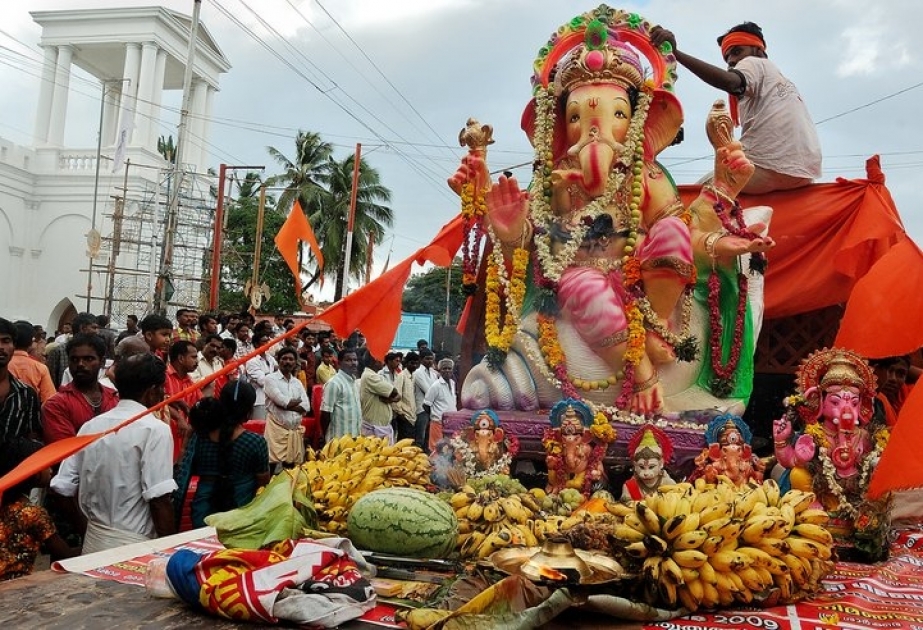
[413, 327]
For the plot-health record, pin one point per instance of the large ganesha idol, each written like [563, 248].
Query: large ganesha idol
[599, 282]
[829, 441]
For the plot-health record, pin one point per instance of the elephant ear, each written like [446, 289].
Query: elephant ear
[714, 451]
[527, 123]
[664, 121]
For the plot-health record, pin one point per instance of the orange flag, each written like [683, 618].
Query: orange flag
[295, 230]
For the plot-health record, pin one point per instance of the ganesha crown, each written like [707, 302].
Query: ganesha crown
[613, 63]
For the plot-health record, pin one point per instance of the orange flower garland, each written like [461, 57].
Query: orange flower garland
[499, 340]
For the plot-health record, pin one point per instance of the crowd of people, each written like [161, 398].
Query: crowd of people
[228, 436]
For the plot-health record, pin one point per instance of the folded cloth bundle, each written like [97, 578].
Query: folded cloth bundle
[301, 581]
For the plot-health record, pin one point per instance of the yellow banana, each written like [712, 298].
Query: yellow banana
[710, 597]
[690, 540]
[757, 556]
[461, 499]
[648, 517]
[786, 587]
[773, 546]
[673, 526]
[687, 599]
[655, 544]
[723, 581]
[652, 568]
[691, 523]
[465, 526]
[813, 532]
[628, 534]
[757, 527]
[622, 510]
[670, 571]
[689, 574]
[815, 516]
[772, 490]
[637, 550]
[690, 558]
[713, 512]
[778, 567]
[798, 499]
[751, 579]
[654, 501]
[797, 569]
[707, 573]
[475, 511]
[745, 503]
[701, 501]
[729, 561]
[807, 548]
[711, 545]
[696, 588]
[667, 591]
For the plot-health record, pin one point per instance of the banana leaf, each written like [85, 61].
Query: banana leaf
[281, 511]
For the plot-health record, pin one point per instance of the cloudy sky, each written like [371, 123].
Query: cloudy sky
[402, 76]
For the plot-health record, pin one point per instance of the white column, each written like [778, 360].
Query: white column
[46, 92]
[207, 127]
[110, 113]
[142, 133]
[157, 98]
[129, 87]
[197, 125]
[62, 81]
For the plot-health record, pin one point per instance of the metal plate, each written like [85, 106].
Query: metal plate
[516, 561]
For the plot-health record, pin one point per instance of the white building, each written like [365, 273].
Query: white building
[50, 193]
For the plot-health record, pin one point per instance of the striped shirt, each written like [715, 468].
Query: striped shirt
[341, 401]
[20, 413]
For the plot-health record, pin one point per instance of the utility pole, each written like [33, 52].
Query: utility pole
[117, 215]
[166, 261]
[219, 231]
[350, 224]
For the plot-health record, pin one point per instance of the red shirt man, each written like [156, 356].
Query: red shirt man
[184, 358]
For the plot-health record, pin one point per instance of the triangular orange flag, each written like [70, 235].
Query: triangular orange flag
[295, 230]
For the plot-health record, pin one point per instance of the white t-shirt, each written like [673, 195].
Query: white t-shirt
[441, 398]
[118, 475]
[423, 379]
[778, 132]
[257, 369]
[279, 392]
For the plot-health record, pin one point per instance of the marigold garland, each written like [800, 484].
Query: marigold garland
[500, 339]
[473, 210]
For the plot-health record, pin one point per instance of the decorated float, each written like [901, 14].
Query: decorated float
[619, 318]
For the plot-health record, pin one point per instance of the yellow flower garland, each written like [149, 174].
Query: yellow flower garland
[473, 209]
[515, 293]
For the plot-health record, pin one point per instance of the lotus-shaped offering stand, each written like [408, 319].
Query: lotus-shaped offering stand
[557, 563]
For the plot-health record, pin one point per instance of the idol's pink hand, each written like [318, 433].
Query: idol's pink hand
[507, 209]
[732, 169]
[473, 168]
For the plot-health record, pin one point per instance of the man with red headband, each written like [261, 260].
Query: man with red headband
[778, 133]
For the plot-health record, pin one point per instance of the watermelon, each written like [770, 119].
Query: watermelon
[403, 522]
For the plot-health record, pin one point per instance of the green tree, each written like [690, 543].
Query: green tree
[240, 248]
[329, 214]
[426, 293]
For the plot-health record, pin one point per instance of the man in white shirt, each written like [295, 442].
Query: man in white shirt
[405, 410]
[209, 363]
[440, 399]
[256, 370]
[287, 403]
[778, 136]
[423, 378]
[121, 485]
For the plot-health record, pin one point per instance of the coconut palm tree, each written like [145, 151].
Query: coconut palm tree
[303, 176]
[329, 214]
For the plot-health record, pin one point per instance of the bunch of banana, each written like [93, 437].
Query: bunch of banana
[489, 520]
[709, 545]
[349, 467]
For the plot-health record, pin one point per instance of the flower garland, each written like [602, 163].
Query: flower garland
[733, 223]
[844, 504]
[468, 459]
[514, 288]
[473, 210]
[602, 428]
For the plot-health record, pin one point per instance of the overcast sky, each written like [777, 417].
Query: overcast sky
[402, 76]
